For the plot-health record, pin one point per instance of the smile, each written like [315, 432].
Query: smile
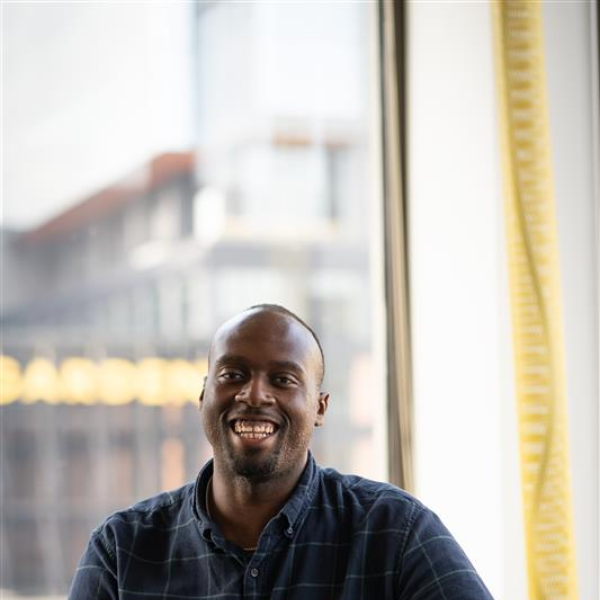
[254, 430]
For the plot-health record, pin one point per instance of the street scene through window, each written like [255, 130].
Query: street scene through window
[167, 166]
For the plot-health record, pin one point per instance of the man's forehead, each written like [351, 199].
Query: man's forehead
[264, 324]
[259, 323]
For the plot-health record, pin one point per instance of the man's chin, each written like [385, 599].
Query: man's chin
[253, 467]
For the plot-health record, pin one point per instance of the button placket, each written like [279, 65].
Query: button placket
[251, 582]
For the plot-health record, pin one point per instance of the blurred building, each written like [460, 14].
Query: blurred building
[76, 293]
[108, 308]
[140, 273]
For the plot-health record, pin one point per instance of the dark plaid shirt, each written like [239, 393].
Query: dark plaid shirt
[338, 536]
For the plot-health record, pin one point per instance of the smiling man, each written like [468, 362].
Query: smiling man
[259, 406]
[263, 520]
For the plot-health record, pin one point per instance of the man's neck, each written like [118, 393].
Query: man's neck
[242, 507]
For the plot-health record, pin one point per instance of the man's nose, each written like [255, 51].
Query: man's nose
[256, 391]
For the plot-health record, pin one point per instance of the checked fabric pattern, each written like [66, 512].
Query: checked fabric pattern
[338, 536]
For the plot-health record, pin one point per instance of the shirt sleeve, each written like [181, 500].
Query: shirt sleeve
[434, 567]
[95, 577]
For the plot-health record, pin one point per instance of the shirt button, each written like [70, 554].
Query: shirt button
[254, 572]
[290, 531]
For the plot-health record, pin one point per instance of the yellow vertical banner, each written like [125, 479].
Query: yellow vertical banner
[535, 300]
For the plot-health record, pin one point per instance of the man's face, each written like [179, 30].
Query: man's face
[261, 399]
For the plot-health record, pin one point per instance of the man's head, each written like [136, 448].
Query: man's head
[262, 395]
[284, 311]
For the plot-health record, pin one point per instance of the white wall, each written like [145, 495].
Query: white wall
[465, 416]
[455, 253]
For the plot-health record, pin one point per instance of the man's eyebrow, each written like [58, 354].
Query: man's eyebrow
[287, 365]
[230, 358]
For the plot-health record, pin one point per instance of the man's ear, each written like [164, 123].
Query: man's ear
[323, 404]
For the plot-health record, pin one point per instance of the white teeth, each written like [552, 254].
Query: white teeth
[253, 429]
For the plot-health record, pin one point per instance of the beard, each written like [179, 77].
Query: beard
[255, 469]
[252, 464]
[256, 465]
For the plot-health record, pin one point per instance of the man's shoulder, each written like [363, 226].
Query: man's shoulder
[164, 501]
[367, 488]
[354, 491]
[163, 512]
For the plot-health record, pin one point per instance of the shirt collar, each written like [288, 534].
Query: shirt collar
[293, 511]
[295, 508]
[199, 499]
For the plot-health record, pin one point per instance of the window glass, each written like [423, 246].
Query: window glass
[166, 166]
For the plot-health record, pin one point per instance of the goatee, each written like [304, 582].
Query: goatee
[254, 469]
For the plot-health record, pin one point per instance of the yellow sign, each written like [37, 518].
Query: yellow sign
[79, 379]
[11, 382]
[117, 381]
[152, 381]
[41, 381]
[535, 301]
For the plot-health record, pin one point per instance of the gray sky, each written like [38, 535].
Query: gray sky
[90, 90]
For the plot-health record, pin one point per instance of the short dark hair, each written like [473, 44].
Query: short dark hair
[288, 313]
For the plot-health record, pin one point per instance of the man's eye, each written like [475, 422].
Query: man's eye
[231, 375]
[283, 380]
